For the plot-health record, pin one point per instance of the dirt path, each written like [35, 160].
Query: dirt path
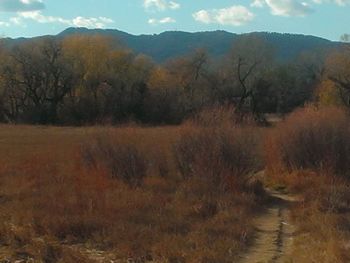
[275, 232]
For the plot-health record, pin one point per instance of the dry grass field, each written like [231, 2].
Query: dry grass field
[63, 199]
[188, 193]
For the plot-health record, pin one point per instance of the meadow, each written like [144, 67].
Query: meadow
[58, 205]
[187, 193]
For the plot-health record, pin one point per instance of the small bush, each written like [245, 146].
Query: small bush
[310, 138]
[123, 160]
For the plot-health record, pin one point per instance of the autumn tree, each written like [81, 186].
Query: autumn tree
[328, 94]
[338, 71]
[163, 102]
[90, 57]
[112, 80]
[192, 76]
[128, 85]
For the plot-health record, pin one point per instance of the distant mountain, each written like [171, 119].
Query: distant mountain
[167, 45]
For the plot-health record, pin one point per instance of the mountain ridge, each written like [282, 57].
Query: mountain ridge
[170, 44]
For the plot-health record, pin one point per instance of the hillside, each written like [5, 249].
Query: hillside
[167, 45]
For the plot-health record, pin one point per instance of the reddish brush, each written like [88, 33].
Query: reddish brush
[310, 138]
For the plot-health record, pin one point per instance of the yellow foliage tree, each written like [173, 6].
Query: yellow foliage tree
[328, 94]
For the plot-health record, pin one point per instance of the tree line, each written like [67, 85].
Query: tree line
[94, 79]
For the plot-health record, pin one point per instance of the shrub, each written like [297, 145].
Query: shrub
[216, 116]
[222, 156]
[310, 138]
[122, 160]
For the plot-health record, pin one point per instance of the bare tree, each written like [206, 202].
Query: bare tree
[251, 58]
[37, 79]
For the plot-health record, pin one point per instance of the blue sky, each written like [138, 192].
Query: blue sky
[325, 18]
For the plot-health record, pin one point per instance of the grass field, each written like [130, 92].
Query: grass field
[185, 193]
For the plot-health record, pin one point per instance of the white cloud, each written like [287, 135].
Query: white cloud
[233, 16]
[165, 20]
[21, 5]
[4, 24]
[89, 22]
[203, 16]
[338, 2]
[174, 5]
[287, 7]
[16, 21]
[40, 18]
[258, 3]
[160, 5]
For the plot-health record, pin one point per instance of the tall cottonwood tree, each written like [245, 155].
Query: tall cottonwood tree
[37, 78]
[112, 80]
[338, 71]
[191, 75]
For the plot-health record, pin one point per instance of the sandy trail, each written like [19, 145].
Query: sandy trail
[274, 239]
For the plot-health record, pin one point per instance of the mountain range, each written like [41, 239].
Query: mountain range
[167, 45]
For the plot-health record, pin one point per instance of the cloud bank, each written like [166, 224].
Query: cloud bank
[21, 5]
[79, 21]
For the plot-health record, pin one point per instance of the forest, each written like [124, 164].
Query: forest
[91, 79]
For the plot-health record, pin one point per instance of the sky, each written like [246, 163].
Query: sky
[324, 18]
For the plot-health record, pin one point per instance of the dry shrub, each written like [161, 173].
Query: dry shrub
[222, 156]
[310, 138]
[123, 160]
[219, 115]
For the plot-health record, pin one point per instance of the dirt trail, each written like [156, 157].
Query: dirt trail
[274, 240]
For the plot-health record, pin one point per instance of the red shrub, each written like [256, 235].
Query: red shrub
[310, 138]
[123, 160]
[221, 156]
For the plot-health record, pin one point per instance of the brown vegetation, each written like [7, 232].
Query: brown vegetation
[311, 138]
[172, 194]
[119, 190]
